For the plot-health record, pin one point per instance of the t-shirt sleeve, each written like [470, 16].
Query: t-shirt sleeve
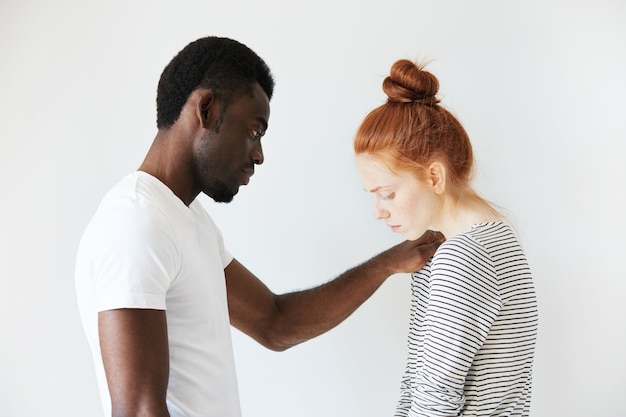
[135, 259]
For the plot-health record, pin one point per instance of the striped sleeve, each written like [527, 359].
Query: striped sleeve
[463, 302]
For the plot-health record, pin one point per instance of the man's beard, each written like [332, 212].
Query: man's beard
[205, 169]
[210, 184]
[220, 193]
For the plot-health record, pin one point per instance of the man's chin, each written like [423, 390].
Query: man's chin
[223, 195]
[224, 198]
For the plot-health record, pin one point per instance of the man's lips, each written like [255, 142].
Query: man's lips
[247, 174]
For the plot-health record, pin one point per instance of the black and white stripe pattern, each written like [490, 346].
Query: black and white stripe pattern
[472, 330]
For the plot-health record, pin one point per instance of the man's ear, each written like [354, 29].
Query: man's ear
[437, 175]
[206, 107]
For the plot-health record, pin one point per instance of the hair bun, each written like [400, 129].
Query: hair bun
[409, 83]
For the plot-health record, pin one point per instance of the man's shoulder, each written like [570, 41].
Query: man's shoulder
[129, 210]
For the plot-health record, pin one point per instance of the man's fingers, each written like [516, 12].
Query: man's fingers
[431, 237]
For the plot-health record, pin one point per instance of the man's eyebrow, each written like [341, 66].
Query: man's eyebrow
[262, 121]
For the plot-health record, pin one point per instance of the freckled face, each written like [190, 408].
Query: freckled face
[407, 204]
[224, 159]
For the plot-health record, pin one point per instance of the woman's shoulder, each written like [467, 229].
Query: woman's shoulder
[474, 242]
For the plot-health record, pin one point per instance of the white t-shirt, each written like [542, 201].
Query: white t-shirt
[145, 249]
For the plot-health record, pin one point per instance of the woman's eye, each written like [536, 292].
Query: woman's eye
[387, 196]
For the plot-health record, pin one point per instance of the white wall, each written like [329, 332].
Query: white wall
[539, 85]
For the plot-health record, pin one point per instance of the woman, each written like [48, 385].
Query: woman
[473, 320]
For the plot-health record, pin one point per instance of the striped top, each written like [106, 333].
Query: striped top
[473, 328]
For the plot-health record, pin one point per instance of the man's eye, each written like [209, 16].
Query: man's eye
[256, 134]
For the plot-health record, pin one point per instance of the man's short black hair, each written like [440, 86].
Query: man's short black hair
[223, 65]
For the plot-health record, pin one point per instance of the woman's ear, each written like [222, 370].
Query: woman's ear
[437, 175]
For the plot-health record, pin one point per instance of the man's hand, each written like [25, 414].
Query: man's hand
[411, 255]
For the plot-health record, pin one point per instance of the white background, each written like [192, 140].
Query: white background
[539, 85]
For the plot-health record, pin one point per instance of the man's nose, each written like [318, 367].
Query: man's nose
[257, 155]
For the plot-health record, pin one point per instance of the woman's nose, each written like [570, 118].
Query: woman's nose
[380, 213]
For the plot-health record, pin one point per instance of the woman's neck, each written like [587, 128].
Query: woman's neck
[460, 214]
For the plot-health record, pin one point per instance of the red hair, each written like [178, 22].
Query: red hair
[411, 130]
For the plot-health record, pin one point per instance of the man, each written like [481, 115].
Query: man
[158, 291]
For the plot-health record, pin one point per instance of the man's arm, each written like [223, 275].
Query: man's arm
[282, 321]
[136, 360]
